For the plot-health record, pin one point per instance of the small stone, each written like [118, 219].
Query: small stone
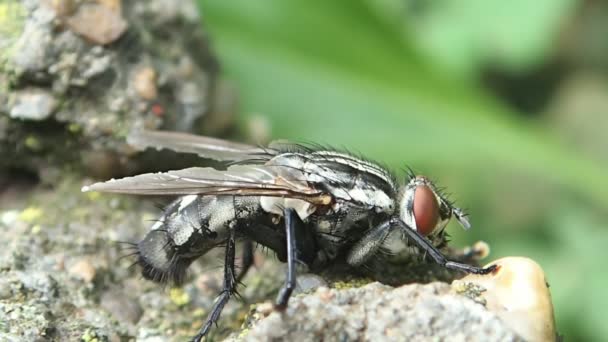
[121, 306]
[8, 218]
[5, 289]
[114, 5]
[97, 23]
[308, 282]
[265, 308]
[33, 104]
[63, 7]
[518, 293]
[84, 270]
[325, 294]
[144, 83]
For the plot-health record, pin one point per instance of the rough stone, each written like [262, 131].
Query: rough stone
[66, 84]
[378, 312]
[33, 104]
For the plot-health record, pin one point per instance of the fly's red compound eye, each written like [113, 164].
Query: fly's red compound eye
[426, 210]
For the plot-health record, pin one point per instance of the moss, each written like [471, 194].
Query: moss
[90, 336]
[179, 297]
[74, 128]
[353, 283]
[31, 214]
[470, 290]
[33, 143]
[12, 18]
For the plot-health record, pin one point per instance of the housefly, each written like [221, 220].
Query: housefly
[309, 205]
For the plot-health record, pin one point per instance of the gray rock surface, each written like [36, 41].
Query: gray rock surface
[71, 90]
[376, 312]
[64, 277]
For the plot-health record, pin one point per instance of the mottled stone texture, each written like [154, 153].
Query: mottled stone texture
[375, 312]
[77, 76]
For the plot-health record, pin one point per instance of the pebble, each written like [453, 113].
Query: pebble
[114, 5]
[518, 293]
[122, 307]
[33, 104]
[144, 83]
[83, 269]
[108, 26]
[308, 282]
[5, 289]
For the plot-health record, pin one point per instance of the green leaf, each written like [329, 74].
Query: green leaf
[345, 74]
[333, 72]
[464, 35]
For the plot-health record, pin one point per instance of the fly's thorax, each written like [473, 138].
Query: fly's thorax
[344, 177]
[353, 181]
[423, 208]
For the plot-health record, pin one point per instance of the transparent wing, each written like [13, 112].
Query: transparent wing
[240, 180]
[205, 147]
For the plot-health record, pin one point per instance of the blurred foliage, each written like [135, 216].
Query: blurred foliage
[462, 35]
[433, 84]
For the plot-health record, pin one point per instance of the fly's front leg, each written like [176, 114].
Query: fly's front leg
[435, 254]
[369, 244]
[289, 216]
[229, 287]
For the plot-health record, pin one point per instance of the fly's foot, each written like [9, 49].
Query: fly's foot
[469, 269]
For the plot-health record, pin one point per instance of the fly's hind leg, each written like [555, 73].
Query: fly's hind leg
[246, 260]
[290, 217]
[229, 287]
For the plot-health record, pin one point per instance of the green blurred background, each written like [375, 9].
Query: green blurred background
[504, 102]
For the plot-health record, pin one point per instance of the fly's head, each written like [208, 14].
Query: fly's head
[423, 208]
[166, 252]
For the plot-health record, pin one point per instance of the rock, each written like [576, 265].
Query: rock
[71, 64]
[122, 306]
[519, 294]
[83, 269]
[109, 24]
[144, 83]
[33, 104]
[378, 312]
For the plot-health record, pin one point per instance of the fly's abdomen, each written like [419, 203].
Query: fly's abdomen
[190, 227]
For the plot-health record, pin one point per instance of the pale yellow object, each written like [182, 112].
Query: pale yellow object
[519, 294]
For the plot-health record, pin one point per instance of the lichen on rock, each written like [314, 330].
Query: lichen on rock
[81, 88]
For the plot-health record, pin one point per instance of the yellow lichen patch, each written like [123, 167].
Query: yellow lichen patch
[74, 128]
[36, 229]
[33, 143]
[340, 285]
[12, 15]
[89, 336]
[199, 312]
[179, 297]
[30, 214]
[93, 195]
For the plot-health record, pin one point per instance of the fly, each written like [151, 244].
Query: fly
[309, 205]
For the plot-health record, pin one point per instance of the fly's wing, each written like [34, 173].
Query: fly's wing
[206, 147]
[239, 180]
